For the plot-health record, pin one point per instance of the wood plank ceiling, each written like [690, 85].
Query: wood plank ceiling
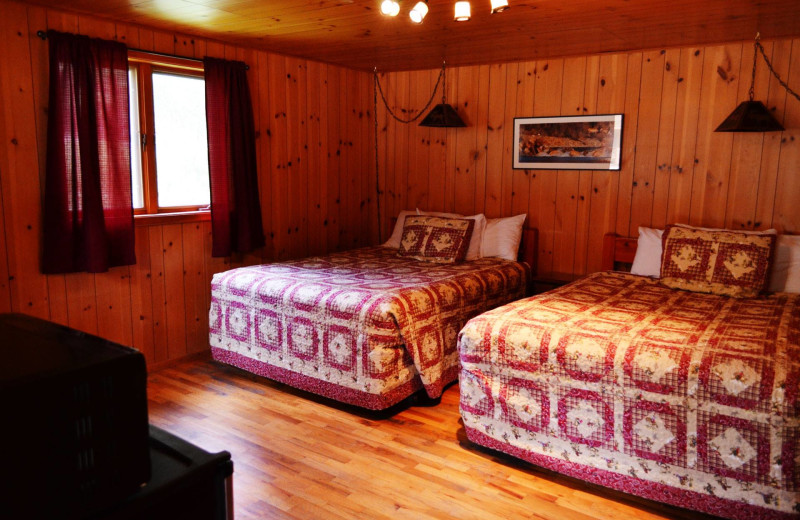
[354, 34]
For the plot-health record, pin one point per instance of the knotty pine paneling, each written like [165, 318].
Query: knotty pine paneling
[352, 34]
[314, 146]
[316, 159]
[674, 167]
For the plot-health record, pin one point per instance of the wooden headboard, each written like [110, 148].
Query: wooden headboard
[528, 248]
[618, 250]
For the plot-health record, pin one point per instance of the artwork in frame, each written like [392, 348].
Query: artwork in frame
[568, 142]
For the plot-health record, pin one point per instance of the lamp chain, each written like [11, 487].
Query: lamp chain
[376, 88]
[760, 48]
[752, 91]
[444, 85]
[419, 114]
[377, 159]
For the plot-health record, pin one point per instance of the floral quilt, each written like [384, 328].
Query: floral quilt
[681, 397]
[365, 327]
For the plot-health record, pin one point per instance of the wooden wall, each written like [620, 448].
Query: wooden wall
[316, 165]
[674, 167]
[316, 170]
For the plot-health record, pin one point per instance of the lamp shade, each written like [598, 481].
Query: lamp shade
[418, 13]
[443, 115]
[462, 12]
[390, 7]
[498, 6]
[750, 116]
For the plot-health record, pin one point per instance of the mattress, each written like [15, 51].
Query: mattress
[365, 327]
[685, 398]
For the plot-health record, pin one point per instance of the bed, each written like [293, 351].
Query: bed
[681, 397]
[364, 327]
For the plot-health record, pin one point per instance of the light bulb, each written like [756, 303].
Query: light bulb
[418, 13]
[462, 11]
[499, 6]
[390, 7]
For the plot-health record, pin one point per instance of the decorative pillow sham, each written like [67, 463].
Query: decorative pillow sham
[728, 263]
[475, 243]
[436, 239]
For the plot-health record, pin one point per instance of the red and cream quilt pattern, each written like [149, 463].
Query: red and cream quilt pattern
[365, 327]
[681, 397]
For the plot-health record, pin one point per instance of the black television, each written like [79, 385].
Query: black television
[75, 432]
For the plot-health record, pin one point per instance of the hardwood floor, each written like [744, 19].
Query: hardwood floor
[297, 456]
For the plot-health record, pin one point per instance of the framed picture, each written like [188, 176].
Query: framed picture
[568, 142]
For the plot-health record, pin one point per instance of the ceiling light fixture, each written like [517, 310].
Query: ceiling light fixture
[498, 6]
[753, 116]
[390, 7]
[419, 11]
[462, 12]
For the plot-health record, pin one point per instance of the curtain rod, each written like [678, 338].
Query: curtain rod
[43, 36]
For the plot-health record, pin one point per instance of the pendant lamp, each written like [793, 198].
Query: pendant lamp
[753, 116]
[443, 115]
[750, 116]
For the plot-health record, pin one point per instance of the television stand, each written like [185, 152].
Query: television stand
[186, 482]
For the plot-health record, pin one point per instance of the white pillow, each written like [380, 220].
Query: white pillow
[397, 232]
[475, 242]
[785, 276]
[502, 236]
[647, 261]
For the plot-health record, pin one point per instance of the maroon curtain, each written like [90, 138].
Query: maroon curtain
[235, 207]
[88, 215]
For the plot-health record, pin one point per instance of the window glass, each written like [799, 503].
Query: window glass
[181, 140]
[136, 140]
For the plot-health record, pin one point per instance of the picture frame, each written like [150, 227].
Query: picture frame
[568, 142]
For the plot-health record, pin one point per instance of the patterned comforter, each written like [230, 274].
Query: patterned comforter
[365, 327]
[685, 398]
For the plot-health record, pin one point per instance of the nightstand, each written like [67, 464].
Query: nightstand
[547, 282]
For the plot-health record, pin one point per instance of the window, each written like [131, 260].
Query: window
[169, 144]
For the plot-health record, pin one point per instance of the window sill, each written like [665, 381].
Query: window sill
[163, 219]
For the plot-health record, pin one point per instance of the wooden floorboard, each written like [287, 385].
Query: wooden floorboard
[297, 456]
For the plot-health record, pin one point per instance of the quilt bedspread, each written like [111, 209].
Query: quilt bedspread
[365, 327]
[685, 398]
